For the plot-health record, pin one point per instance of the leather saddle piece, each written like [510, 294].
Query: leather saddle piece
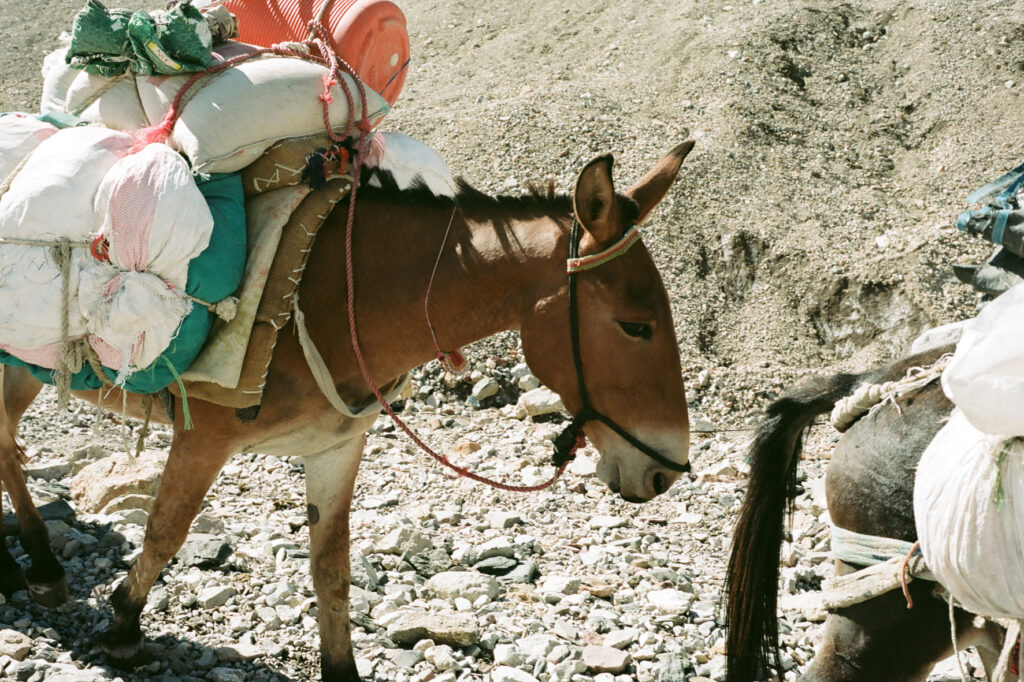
[275, 304]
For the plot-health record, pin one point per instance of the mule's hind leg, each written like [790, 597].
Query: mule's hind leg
[195, 459]
[11, 577]
[330, 478]
[45, 576]
[881, 640]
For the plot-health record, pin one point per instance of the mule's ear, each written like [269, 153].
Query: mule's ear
[595, 203]
[653, 187]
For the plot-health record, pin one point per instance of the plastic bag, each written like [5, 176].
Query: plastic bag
[985, 378]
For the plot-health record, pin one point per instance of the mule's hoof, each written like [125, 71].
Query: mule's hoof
[12, 582]
[51, 594]
[124, 650]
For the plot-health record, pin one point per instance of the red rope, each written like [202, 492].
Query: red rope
[903, 574]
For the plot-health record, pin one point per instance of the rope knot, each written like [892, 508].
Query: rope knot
[226, 308]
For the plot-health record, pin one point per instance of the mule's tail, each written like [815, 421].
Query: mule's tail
[753, 574]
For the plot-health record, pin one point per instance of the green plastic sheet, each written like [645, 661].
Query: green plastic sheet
[109, 42]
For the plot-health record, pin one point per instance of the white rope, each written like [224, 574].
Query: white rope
[870, 397]
[323, 377]
[867, 550]
[952, 637]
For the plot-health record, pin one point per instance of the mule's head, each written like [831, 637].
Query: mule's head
[627, 342]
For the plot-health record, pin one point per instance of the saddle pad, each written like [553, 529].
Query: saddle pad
[274, 310]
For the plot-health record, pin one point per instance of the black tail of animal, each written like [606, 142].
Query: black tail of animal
[753, 573]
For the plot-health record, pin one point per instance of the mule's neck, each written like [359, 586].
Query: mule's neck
[496, 264]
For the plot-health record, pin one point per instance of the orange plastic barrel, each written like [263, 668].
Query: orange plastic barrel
[370, 35]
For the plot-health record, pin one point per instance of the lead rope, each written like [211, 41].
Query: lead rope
[452, 360]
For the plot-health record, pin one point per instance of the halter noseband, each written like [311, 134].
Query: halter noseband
[568, 437]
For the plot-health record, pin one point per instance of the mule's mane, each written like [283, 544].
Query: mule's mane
[539, 198]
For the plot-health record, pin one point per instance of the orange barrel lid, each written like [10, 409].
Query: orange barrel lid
[370, 35]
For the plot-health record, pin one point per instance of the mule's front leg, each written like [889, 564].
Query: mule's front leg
[193, 463]
[330, 478]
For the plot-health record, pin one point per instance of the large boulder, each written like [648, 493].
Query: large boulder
[96, 485]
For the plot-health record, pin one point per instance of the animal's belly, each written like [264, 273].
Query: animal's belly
[310, 436]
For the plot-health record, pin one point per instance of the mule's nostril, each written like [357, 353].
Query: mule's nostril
[661, 483]
[614, 486]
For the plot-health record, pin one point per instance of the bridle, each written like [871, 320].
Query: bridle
[568, 436]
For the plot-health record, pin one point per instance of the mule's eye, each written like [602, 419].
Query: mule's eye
[638, 330]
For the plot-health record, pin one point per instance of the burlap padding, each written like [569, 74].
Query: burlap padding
[275, 307]
[285, 164]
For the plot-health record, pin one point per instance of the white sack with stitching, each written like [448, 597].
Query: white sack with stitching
[973, 545]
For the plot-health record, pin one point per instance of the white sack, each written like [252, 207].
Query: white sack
[235, 115]
[50, 197]
[153, 215]
[20, 134]
[111, 102]
[972, 546]
[985, 378]
[57, 78]
[53, 192]
[155, 220]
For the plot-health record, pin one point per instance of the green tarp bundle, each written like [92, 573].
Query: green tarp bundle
[108, 42]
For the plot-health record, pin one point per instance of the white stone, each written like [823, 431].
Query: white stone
[604, 659]
[404, 539]
[504, 673]
[936, 337]
[466, 584]
[540, 401]
[485, 388]
[441, 658]
[670, 601]
[582, 466]
[536, 647]
[559, 584]
[621, 639]
[507, 654]
[499, 546]
[609, 522]
[14, 644]
[216, 595]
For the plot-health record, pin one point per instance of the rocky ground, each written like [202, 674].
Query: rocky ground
[810, 230]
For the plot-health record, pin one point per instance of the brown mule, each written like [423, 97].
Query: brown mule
[869, 489]
[504, 268]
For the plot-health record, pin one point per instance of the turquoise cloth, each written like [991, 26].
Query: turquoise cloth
[212, 275]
